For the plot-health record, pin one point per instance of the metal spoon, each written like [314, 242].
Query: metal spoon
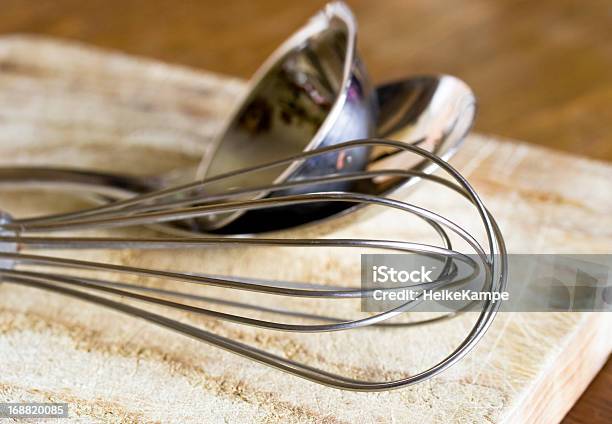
[312, 92]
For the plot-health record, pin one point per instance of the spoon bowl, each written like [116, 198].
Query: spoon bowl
[434, 111]
[312, 92]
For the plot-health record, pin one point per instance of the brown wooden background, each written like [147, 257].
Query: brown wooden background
[542, 70]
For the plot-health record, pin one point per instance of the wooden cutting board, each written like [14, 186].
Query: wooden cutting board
[70, 104]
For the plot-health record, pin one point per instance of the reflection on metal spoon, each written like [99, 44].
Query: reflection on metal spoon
[436, 111]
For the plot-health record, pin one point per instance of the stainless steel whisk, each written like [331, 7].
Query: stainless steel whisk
[194, 200]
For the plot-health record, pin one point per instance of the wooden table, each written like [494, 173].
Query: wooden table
[540, 69]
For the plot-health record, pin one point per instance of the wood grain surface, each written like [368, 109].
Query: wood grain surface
[541, 69]
[66, 104]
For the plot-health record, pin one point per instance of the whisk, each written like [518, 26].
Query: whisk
[195, 200]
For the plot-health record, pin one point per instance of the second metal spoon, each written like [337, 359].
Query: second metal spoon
[435, 111]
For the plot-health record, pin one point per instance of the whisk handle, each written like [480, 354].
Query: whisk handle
[69, 179]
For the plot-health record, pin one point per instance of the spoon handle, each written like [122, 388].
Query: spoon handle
[67, 179]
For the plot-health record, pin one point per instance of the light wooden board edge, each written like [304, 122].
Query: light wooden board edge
[585, 352]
